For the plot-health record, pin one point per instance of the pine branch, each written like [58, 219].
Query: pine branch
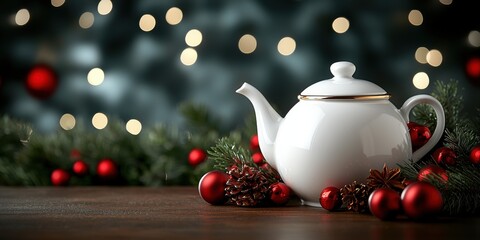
[226, 153]
[452, 102]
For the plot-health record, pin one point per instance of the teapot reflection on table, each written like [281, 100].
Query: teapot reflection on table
[339, 130]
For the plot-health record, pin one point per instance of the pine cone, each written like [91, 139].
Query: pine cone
[355, 196]
[246, 186]
[388, 178]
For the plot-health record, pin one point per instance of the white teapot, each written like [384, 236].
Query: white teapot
[339, 130]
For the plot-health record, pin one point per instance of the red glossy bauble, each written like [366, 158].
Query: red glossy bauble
[280, 193]
[60, 177]
[330, 198]
[257, 158]
[473, 67]
[80, 168]
[444, 155]
[41, 81]
[421, 200]
[419, 134]
[254, 145]
[432, 172]
[475, 155]
[212, 187]
[196, 156]
[384, 203]
[107, 169]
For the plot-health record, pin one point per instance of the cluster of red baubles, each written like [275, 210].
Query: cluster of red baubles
[212, 185]
[106, 169]
[420, 199]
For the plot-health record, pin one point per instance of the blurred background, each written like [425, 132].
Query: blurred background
[66, 63]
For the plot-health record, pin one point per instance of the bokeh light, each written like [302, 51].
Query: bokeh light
[421, 80]
[340, 25]
[434, 58]
[86, 20]
[174, 16]
[247, 44]
[421, 55]
[147, 23]
[446, 2]
[188, 56]
[134, 126]
[95, 76]
[286, 46]
[22, 17]
[193, 38]
[67, 121]
[99, 120]
[474, 38]
[104, 7]
[415, 17]
[57, 3]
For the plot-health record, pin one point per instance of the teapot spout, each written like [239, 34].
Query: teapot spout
[268, 121]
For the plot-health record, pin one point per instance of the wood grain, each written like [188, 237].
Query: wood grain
[179, 213]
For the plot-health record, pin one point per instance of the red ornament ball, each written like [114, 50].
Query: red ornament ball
[212, 187]
[421, 200]
[196, 156]
[41, 81]
[280, 193]
[473, 67]
[384, 203]
[254, 145]
[80, 168]
[257, 158]
[59, 177]
[419, 134]
[475, 155]
[444, 155]
[432, 172]
[107, 169]
[330, 198]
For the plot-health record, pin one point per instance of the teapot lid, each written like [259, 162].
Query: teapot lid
[343, 86]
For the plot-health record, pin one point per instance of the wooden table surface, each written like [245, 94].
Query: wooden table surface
[179, 213]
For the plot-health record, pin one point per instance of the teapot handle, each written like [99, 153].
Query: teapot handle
[437, 134]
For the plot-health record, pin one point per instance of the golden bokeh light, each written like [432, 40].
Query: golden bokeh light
[193, 38]
[247, 44]
[99, 120]
[174, 16]
[434, 58]
[86, 20]
[188, 56]
[415, 17]
[95, 76]
[286, 46]
[446, 2]
[474, 38]
[133, 126]
[22, 17]
[340, 25]
[67, 121]
[57, 3]
[421, 55]
[104, 7]
[421, 80]
[147, 23]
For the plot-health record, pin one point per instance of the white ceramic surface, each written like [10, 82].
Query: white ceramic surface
[332, 142]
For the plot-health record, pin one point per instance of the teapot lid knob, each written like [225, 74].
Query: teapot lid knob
[342, 69]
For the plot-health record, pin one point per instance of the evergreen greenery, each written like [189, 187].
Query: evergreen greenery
[157, 156]
[462, 192]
